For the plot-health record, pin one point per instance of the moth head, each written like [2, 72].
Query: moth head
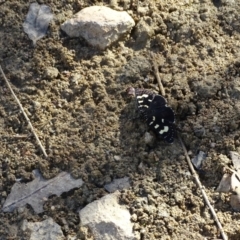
[131, 91]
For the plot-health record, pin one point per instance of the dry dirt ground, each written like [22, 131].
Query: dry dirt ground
[84, 118]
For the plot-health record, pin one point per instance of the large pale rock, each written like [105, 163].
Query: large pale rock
[107, 219]
[98, 25]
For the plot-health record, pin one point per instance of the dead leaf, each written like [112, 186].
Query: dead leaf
[36, 192]
[235, 202]
[235, 183]
[225, 184]
[37, 21]
[235, 159]
[198, 159]
[231, 181]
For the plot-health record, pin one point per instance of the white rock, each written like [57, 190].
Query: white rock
[46, 229]
[107, 219]
[98, 25]
[117, 158]
[148, 138]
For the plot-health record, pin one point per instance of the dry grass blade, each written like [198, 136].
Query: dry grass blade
[161, 88]
[24, 113]
[202, 190]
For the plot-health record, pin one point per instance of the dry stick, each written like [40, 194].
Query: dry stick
[16, 136]
[24, 114]
[187, 157]
[162, 90]
[202, 190]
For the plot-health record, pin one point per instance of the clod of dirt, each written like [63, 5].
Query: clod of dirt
[207, 88]
[143, 32]
[137, 68]
[51, 73]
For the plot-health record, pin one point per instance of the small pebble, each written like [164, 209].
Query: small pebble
[148, 138]
[134, 217]
[51, 73]
[117, 158]
[36, 105]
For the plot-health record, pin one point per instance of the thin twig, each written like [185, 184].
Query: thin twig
[161, 88]
[16, 136]
[24, 114]
[224, 236]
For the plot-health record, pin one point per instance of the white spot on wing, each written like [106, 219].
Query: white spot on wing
[142, 96]
[156, 126]
[153, 120]
[165, 129]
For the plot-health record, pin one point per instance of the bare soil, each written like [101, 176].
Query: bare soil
[85, 119]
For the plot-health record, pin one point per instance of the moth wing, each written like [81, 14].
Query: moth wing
[159, 109]
[161, 119]
[162, 128]
[144, 102]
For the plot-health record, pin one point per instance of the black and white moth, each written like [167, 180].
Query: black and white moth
[155, 112]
